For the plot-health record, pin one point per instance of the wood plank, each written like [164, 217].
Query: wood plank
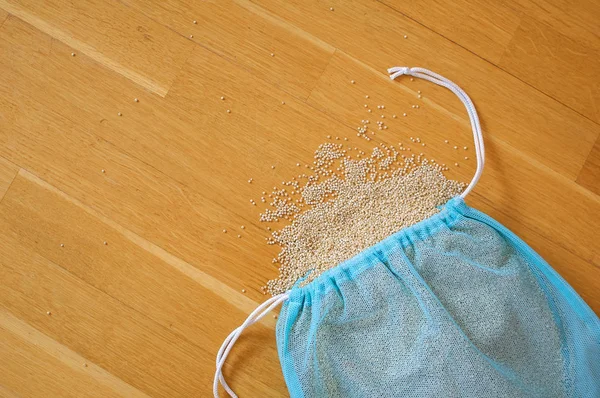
[34, 365]
[511, 110]
[45, 219]
[202, 150]
[6, 393]
[518, 185]
[589, 177]
[544, 43]
[564, 68]
[127, 344]
[483, 27]
[3, 16]
[113, 35]
[244, 33]
[8, 171]
[577, 20]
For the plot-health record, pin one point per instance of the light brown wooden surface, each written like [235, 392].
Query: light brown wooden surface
[144, 314]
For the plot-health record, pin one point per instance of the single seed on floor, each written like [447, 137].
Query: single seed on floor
[228, 110]
[105, 243]
[418, 91]
[330, 8]
[466, 158]
[243, 227]
[195, 22]
[136, 100]
[191, 36]
[352, 81]
[405, 36]
[419, 96]
[456, 164]
[119, 114]
[224, 231]
[394, 116]
[48, 313]
[62, 245]
[243, 290]
[366, 96]
[104, 171]
[368, 110]
[465, 148]
[272, 54]
[73, 54]
[222, 98]
[446, 141]
[455, 147]
[239, 236]
[404, 114]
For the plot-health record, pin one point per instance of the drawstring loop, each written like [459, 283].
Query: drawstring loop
[227, 345]
[433, 77]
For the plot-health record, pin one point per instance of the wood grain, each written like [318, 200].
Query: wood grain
[483, 27]
[8, 171]
[562, 67]
[137, 47]
[589, 176]
[369, 32]
[148, 310]
[246, 34]
[24, 347]
[549, 44]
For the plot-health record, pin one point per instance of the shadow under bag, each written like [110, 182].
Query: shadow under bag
[453, 306]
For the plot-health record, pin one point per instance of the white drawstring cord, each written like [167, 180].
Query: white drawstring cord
[227, 345]
[428, 75]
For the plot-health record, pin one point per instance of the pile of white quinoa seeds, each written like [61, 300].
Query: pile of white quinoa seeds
[350, 201]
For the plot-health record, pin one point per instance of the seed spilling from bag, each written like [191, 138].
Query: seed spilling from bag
[349, 204]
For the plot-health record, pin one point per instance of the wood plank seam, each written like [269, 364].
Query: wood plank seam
[265, 14]
[584, 164]
[3, 194]
[67, 356]
[233, 296]
[4, 19]
[84, 48]
[488, 61]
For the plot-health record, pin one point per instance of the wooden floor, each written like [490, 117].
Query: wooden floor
[116, 278]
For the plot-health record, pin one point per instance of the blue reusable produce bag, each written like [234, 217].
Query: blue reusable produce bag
[453, 306]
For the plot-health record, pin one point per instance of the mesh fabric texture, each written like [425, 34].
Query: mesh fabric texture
[454, 306]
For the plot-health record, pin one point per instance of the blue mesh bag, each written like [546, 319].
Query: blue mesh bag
[453, 306]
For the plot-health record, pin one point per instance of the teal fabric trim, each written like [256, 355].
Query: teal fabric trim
[351, 268]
